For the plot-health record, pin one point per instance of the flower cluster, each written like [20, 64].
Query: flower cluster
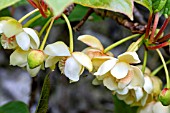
[119, 75]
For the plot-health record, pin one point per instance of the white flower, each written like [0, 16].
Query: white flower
[71, 64]
[14, 35]
[154, 107]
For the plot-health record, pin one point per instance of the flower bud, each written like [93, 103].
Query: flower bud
[35, 58]
[164, 96]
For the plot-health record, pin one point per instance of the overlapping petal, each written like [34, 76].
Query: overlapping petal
[33, 72]
[19, 58]
[120, 70]
[57, 49]
[35, 42]
[148, 85]
[83, 59]
[11, 27]
[106, 66]
[110, 83]
[72, 69]
[23, 40]
[50, 61]
[91, 41]
[129, 57]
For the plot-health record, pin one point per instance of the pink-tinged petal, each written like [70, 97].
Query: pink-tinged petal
[72, 69]
[50, 61]
[126, 80]
[159, 108]
[91, 41]
[148, 85]
[33, 72]
[122, 91]
[138, 93]
[120, 70]
[35, 41]
[19, 58]
[83, 59]
[110, 83]
[23, 40]
[106, 66]
[11, 27]
[129, 57]
[57, 49]
[8, 43]
[138, 78]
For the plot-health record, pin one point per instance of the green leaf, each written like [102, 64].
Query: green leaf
[121, 6]
[121, 107]
[43, 101]
[6, 3]
[58, 6]
[14, 107]
[158, 5]
[145, 3]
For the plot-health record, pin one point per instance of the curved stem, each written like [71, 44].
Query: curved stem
[159, 68]
[120, 42]
[165, 67]
[44, 27]
[144, 60]
[27, 15]
[148, 26]
[70, 32]
[158, 46]
[46, 35]
[32, 20]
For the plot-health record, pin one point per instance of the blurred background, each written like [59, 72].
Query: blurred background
[65, 97]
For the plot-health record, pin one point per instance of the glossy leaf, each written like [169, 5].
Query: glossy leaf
[6, 3]
[145, 3]
[14, 107]
[43, 100]
[58, 6]
[121, 6]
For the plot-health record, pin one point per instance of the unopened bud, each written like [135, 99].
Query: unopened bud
[164, 96]
[35, 58]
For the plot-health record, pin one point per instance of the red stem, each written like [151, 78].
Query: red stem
[148, 26]
[166, 37]
[154, 27]
[158, 46]
[162, 29]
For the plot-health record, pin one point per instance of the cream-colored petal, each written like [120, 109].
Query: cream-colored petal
[147, 108]
[159, 108]
[126, 80]
[129, 57]
[138, 78]
[23, 40]
[8, 43]
[91, 41]
[120, 70]
[57, 49]
[148, 86]
[11, 28]
[122, 97]
[50, 61]
[129, 100]
[110, 83]
[144, 98]
[33, 72]
[122, 91]
[105, 67]
[19, 58]
[72, 69]
[138, 93]
[35, 42]
[83, 59]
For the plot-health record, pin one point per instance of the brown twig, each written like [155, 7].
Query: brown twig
[77, 27]
[133, 26]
